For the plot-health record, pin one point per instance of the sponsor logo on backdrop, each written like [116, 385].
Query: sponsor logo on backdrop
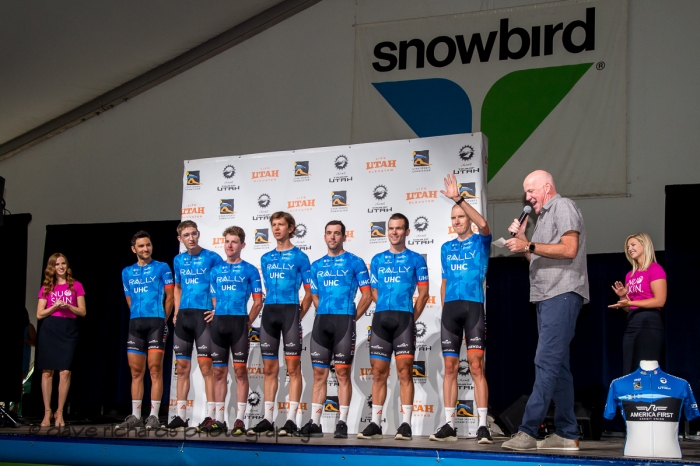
[283, 406]
[191, 211]
[256, 405]
[421, 196]
[261, 238]
[193, 180]
[464, 409]
[421, 236]
[421, 332]
[380, 194]
[369, 334]
[226, 209]
[421, 409]
[420, 374]
[421, 161]
[301, 204]
[265, 174]
[339, 201]
[380, 165]
[300, 233]
[264, 201]
[332, 380]
[301, 171]
[467, 189]
[367, 415]
[467, 156]
[464, 378]
[218, 242]
[341, 164]
[366, 374]
[377, 232]
[331, 407]
[228, 173]
[349, 235]
[254, 335]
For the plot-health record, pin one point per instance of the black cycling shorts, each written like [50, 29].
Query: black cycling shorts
[280, 320]
[392, 331]
[333, 338]
[229, 333]
[146, 334]
[191, 328]
[463, 318]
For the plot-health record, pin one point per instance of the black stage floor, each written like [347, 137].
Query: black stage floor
[606, 449]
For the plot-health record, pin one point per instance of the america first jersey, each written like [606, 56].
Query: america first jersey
[284, 272]
[395, 277]
[145, 286]
[335, 279]
[232, 285]
[193, 273]
[651, 403]
[464, 265]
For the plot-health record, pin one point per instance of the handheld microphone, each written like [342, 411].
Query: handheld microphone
[526, 211]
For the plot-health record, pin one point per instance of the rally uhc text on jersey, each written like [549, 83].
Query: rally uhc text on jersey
[145, 286]
[651, 396]
[192, 273]
[232, 285]
[335, 280]
[464, 265]
[395, 277]
[283, 273]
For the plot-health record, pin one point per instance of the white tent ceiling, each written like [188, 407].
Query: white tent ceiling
[56, 55]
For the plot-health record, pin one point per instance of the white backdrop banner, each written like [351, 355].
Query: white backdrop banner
[545, 83]
[362, 185]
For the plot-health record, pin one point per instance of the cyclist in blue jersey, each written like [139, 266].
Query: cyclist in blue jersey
[232, 285]
[395, 274]
[193, 314]
[335, 279]
[148, 286]
[464, 263]
[285, 269]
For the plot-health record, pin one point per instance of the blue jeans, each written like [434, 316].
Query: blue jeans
[556, 323]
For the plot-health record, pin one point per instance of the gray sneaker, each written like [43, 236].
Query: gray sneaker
[520, 442]
[152, 422]
[130, 422]
[555, 442]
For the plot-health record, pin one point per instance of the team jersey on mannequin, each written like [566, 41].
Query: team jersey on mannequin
[651, 403]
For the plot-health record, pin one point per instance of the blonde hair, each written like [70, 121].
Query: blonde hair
[649, 255]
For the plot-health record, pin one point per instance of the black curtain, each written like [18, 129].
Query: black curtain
[97, 253]
[13, 276]
[682, 316]
[596, 350]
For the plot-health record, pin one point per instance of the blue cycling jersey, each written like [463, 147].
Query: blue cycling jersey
[395, 277]
[464, 265]
[232, 285]
[192, 273]
[145, 286]
[335, 280]
[284, 272]
[651, 403]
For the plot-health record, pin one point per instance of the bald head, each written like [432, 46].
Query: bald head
[539, 188]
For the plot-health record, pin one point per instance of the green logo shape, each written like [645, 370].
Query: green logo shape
[518, 103]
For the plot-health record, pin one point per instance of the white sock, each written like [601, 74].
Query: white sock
[182, 409]
[482, 416]
[344, 413]
[211, 410]
[240, 412]
[377, 414]
[136, 408]
[316, 411]
[220, 410]
[269, 410]
[155, 408]
[407, 412]
[292, 413]
[450, 416]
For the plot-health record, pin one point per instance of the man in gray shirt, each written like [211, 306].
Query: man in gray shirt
[558, 287]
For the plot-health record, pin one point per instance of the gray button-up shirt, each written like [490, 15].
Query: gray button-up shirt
[552, 277]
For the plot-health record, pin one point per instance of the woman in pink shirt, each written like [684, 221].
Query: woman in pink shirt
[61, 301]
[642, 297]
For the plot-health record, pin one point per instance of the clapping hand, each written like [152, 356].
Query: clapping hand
[620, 289]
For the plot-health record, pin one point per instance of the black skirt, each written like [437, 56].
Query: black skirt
[56, 342]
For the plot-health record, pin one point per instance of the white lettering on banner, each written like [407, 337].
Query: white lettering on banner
[369, 232]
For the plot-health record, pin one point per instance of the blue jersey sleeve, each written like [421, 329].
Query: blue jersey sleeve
[255, 281]
[176, 267]
[167, 275]
[690, 406]
[443, 261]
[421, 271]
[314, 278]
[125, 281]
[305, 270]
[373, 280]
[361, 274]
[611, 404]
